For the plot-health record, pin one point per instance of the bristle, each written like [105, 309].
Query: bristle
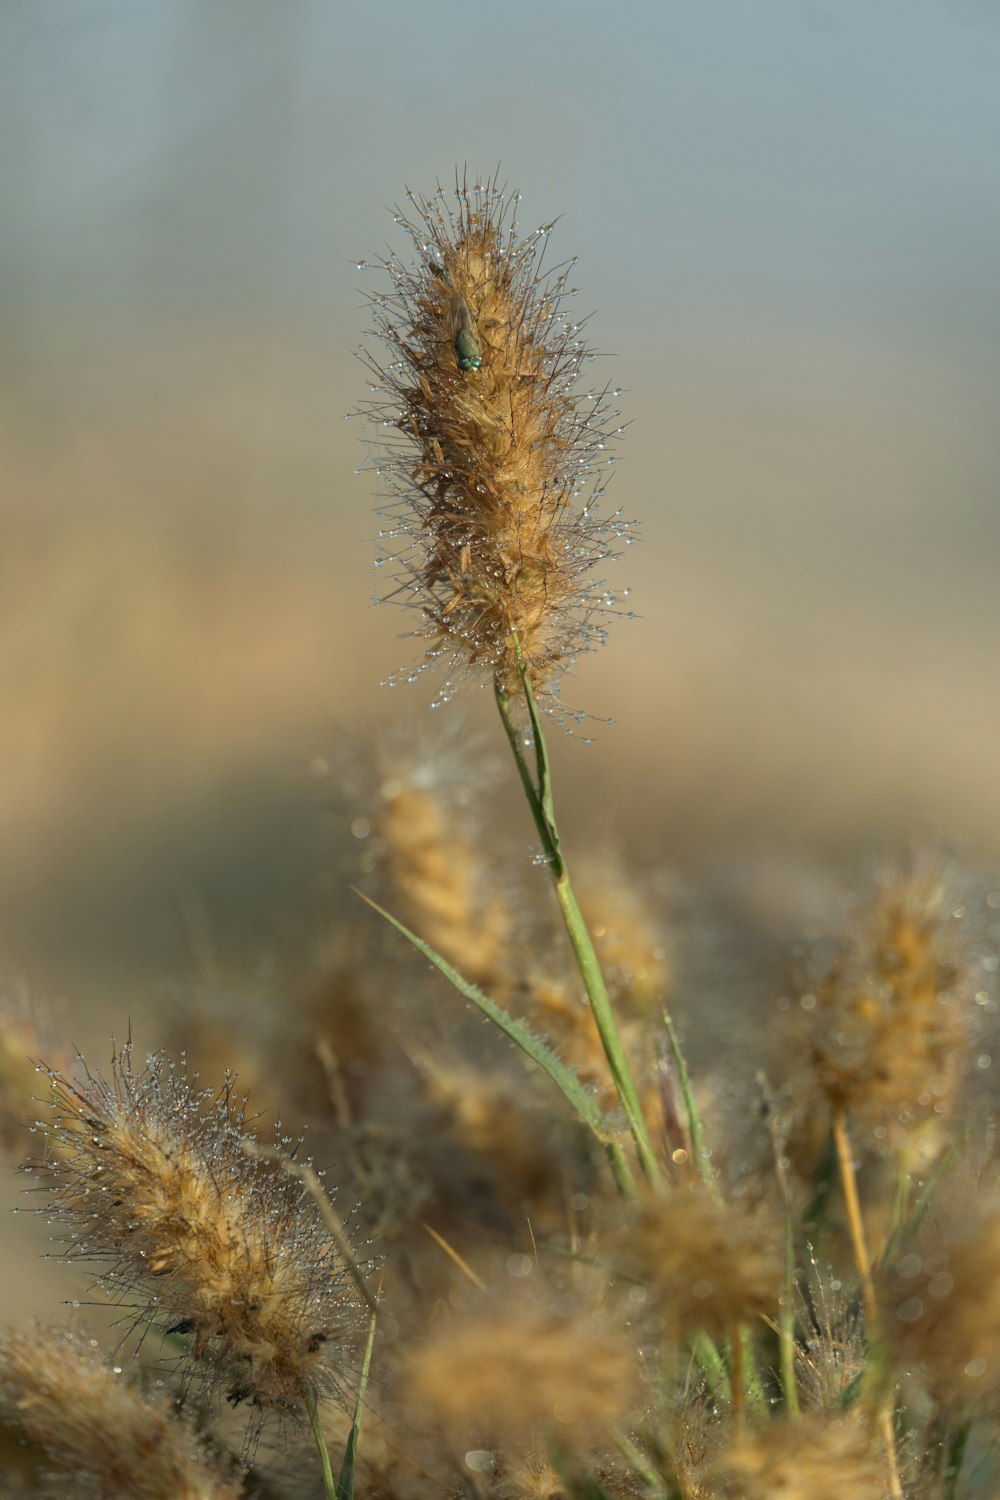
[530, 1476]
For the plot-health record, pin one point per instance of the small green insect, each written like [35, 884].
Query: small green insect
[463, 334]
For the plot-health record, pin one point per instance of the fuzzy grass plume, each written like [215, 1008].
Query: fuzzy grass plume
[154, 1185]
[891, 1027]
[98, 1426]
[514, 1368]
[495, 452]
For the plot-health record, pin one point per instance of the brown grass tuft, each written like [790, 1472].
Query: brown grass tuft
[435, 862]
[824, 1457]
[713, 1266]
[941, 1309]
[519, 1370]
[97, 1426]
[890, 1031]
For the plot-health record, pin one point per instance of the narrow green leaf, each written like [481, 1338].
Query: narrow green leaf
[579, 1483]
[696, 1134]
[562, 1076]
[345, 1479]
[544, 773]
[905, 1231]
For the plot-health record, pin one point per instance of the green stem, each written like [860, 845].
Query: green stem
[696, 1134]
[348, 1468]
[904, 1231]
[713, 1366]
[607, 1027]
[329, 1488]
[620, 1169]
[954, 1454]
[642, 1465]
[786, 1334]
[786, 1338]
[538, 791]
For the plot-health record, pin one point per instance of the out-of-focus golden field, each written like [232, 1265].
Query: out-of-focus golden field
[803, 318]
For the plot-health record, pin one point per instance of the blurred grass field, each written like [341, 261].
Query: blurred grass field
[801, 302]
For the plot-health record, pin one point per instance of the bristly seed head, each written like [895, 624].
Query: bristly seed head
[107, 1437]
[150, 1176]
[495, 460]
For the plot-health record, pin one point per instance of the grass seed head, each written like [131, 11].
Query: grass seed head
[436, 859]
[941, 1309]
[96, 1424]
[517, 1369]
[821, 1457]
[713, 1266]
[891, 1027]
[495, 470]
[156, 1189]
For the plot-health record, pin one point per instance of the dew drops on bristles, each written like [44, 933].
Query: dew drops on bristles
[492, 478]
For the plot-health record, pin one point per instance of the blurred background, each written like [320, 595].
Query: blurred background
[787, 219]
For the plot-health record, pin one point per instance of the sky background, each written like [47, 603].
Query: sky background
[787, 218]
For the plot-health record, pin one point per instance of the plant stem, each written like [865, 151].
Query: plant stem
[862, 1259]
[786, 1334]
[538, 791]
[348, 1468]
[329, 1488]
[696, 1133]
[855, 1222]
[642, 1465]
[954, 1454]
[738, 1378]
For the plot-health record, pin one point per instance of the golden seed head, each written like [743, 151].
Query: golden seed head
[228, 1252]
[497, 475]
[435, 860]
[529, 1476]
[519, 1370]
[714, 1266]
[941, 1308]
[96, 1424]
[821, 1457]
[890, 1030]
